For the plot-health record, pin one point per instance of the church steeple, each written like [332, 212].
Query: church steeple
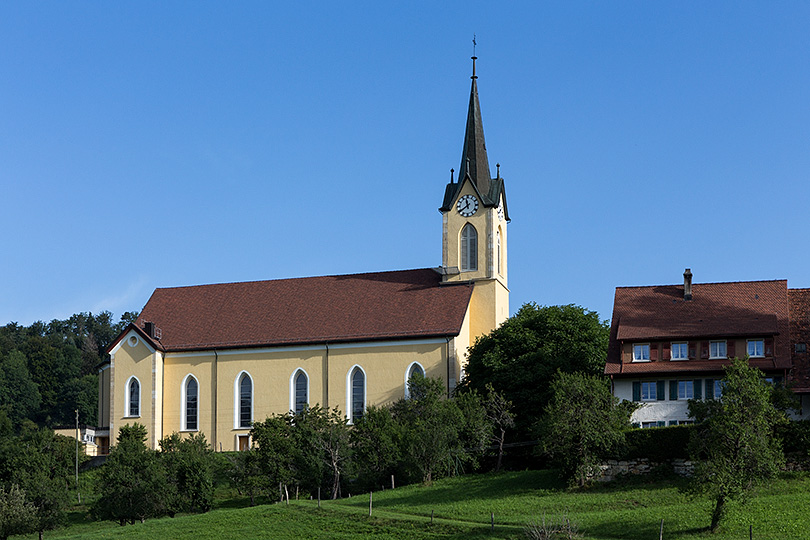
[474, 153]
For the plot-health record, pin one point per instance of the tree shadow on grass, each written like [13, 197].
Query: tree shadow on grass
[620, 530]
[466, 488]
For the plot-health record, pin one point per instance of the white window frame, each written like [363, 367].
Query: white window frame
[184, 403]
[349, 395]
[292, 387]
[761, 348]
[683, 387]
[649, 425]
[681, 347]
[468, 261]
[128, 398]
[641, 347]
[237, 399]
[651, 395]
[712, 352]
[408, 376]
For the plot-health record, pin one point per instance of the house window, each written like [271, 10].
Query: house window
[756, 348]
[190, 403]
[718, 389]
[244, 402]
[680, 351]
[801, 347]
[641, 352]
[469, 248]
[301, 391]
[649, 391]
[357, 393]
[686, 389]
[717, 349]
[647, 425]
[133, 395]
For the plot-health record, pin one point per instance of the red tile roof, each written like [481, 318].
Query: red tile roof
[716, 310]
[403, 304]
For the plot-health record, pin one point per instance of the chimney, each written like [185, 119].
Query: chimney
[687, 284]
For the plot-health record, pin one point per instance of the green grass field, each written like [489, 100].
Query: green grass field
[462, 508]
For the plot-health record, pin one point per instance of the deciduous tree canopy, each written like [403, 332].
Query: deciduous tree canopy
[520, 357]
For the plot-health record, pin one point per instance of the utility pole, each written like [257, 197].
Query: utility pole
[78, 434]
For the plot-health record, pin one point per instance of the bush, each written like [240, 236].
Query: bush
[658, 444]
[795, 437]
[553, 529]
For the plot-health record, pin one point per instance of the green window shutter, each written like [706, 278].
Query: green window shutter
[673, 390]
[698, 388]
[637, 391]
[661, 388]
[709, 388]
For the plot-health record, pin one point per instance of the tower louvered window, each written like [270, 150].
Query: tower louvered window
[469, 248]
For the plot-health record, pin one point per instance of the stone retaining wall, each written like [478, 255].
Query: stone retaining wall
[610, 469]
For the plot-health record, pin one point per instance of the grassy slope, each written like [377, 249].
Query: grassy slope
[462, 509]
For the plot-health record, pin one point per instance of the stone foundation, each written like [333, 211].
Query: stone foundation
[610, 469]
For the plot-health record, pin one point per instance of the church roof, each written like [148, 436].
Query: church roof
[404, 304]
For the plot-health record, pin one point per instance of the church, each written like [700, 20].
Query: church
[215, 358]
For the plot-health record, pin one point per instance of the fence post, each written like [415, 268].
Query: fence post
[661, 534]
[431, 516]
[392, 481]
[370, 495]
[492, 521]
[319, 497]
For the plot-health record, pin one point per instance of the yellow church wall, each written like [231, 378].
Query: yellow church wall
[385, 367]
[133, 358]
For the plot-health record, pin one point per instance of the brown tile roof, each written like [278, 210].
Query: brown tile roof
[359, 307]
[717, 310]
[800, 333]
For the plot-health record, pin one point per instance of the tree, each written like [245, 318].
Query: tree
[322, 454]
[132, 484]
[430, 425]
[189, 469]
[498, 410]
[520, 357]
[377, 441]
[734, 446]
[274, 452]
[582, 423]
[19, 396]
[17, 515]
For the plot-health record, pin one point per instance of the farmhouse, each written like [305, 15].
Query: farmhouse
[669, 343]
[214, 358]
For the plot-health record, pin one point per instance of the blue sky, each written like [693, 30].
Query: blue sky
[157, 144]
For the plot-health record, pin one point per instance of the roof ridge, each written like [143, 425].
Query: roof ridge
[704, 283]
[294, 278]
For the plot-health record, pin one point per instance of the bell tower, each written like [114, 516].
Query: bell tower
[474, 220]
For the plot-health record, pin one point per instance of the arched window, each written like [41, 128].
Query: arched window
[244, 400]
[299, 387]
[500, 268]
[413, 369]
[356, 393]
[469, 248]
[190, 403]
[133, 397]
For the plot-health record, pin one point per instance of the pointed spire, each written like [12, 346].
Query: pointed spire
[474, 154]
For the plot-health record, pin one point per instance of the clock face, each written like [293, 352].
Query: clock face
[467, 205]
